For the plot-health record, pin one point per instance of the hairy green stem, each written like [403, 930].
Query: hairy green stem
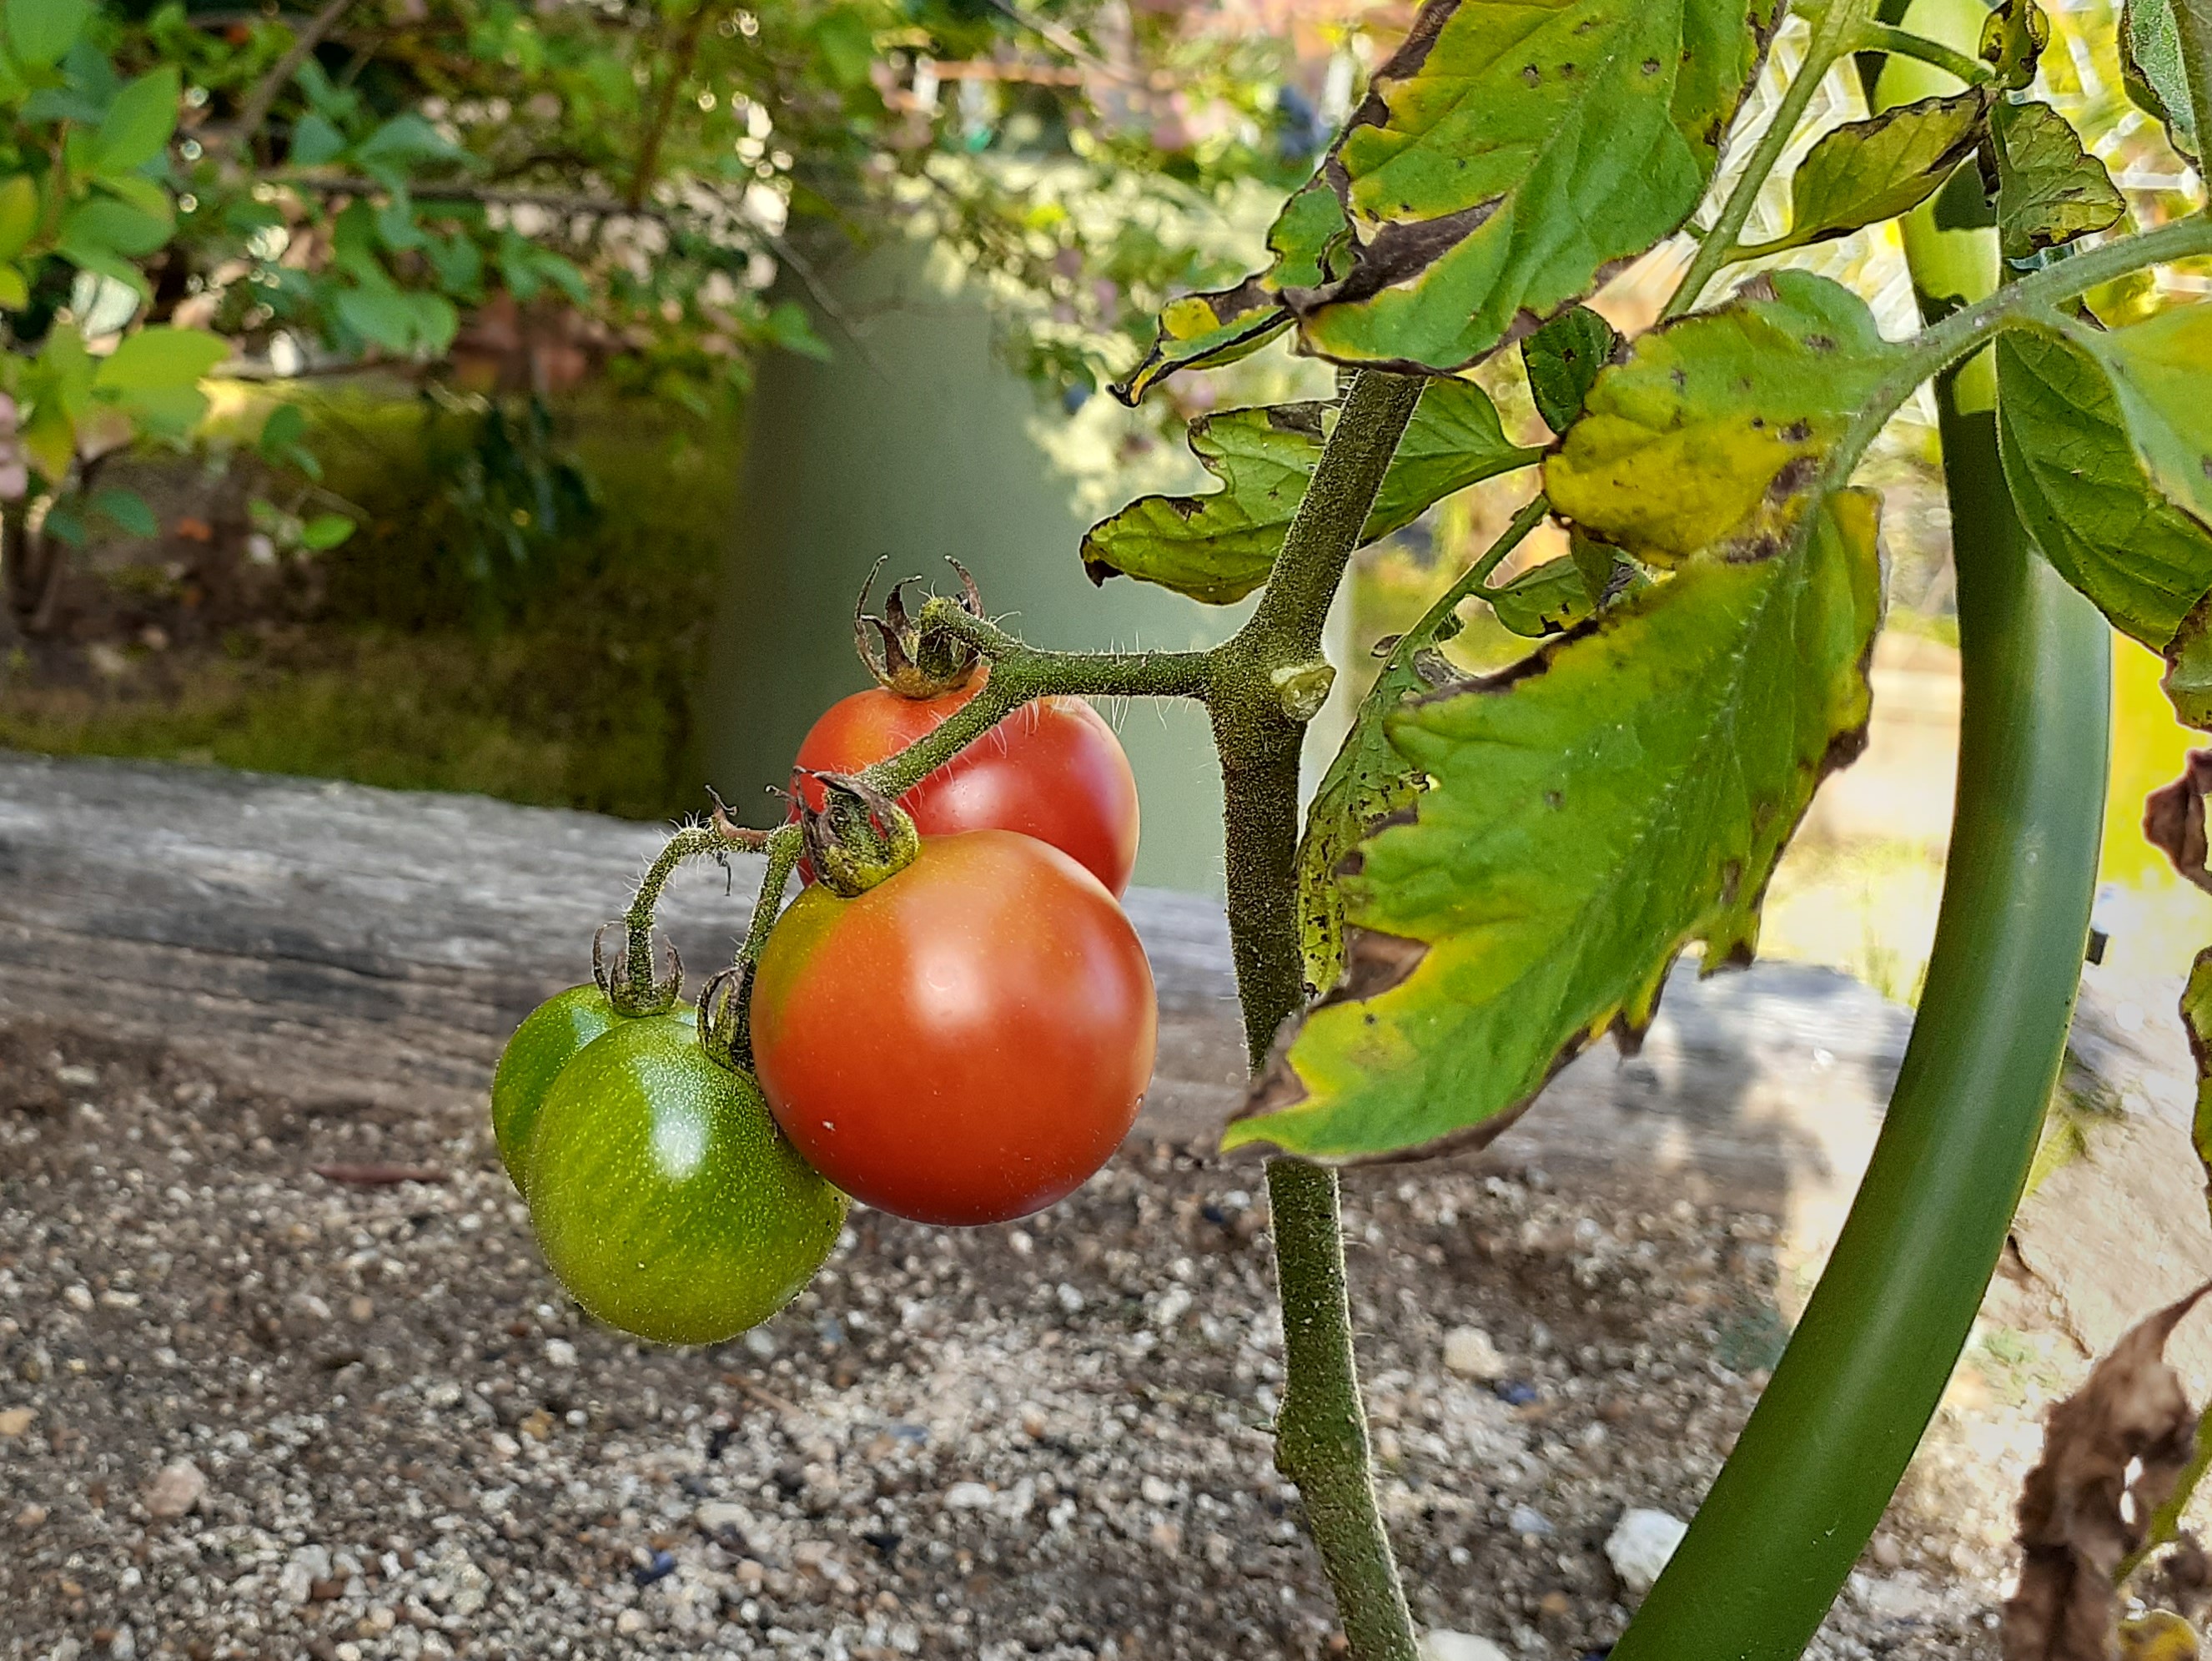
[1834, 33]
[1321, 1442]
[1476, 578]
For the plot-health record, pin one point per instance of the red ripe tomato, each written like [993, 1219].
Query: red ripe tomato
[964, 1042]
[1052, 770]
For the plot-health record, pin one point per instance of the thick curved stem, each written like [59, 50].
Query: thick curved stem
[1829, 1439]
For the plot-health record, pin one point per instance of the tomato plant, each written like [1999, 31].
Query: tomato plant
[662, 1193]
[1496, 869]
[967, 1041]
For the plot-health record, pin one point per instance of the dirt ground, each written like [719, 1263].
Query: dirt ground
[248, 1410]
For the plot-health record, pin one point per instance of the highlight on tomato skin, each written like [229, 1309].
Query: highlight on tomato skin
[663, 1196]
[966, 1043]
[1052, 770]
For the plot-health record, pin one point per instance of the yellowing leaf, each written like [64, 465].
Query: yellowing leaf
[1588, 813]
[19, 213]
[1865, 172]
[1680, 448]
[1220, 547]
[1508, 154]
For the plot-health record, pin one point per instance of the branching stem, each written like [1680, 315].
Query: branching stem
[1904, 42]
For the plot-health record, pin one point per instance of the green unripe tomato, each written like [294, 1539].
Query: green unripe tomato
[548, 1040]
[662, 1193]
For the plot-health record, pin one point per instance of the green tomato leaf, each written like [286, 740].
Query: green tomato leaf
[846, 43]
[1219, 548]
[1545, 599]
[1366, 783]
[42, 30]
[1562, 361]
[1506, 157]
[2013, 39]
[14, 288]
[324, 531]
[127, 511]
[2189, 667]
[788, 326]
[1590, 813]
[315, 141]
[403, 142]
[1865, 172]
[2151, 69]
[2103, 446]
[137, 125]
[1207, 330]
[1679, 446]
[2049, 190]
[19, 213]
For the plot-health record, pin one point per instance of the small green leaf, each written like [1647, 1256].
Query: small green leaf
[2151, 69]
[127, 511]
[65, 522]
[15, 289]
[1207, 330]
[1562, 359]
[159, 358]
[1625, 792]
[324, 531]
[104, 228]
[2049, 190]
[1367, 782]
[788, 326]
[403, 141]
[1679, 446]
[1865, 172]
[1545, 599]
[42, 30]
[137, 125]
[1506, 156]
[2197, 1021]
[315, 141]
[19, 213]
[1220, 547]
[2103, 437]
[2013, 39]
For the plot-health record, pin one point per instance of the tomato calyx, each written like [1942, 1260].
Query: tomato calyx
[858, 837]
[656, 995]
[906, 658]
[725, 1018]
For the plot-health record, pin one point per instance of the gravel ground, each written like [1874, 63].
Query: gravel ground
[247, 1410]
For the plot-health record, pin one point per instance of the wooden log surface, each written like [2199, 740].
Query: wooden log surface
[331, 942]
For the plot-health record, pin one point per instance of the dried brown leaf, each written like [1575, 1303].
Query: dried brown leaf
[2173, 819]
[2112, 1453]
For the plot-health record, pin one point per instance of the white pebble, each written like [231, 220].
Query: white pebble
[1469, 1353]
[1460, 1646]
[1640, 1546]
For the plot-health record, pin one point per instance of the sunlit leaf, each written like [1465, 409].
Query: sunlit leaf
[1590, 813]
[1207, 330]
[1865, 172]
[2049, 190]
[14, 288]
[1680, 447]
[2151, 68]
[1220, 547]
[325, 531]
[1562, 359]
[1508, 155]
[19, 213]
[2104, 437]
[160, 357]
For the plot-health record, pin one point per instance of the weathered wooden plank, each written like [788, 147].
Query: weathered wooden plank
[333, 942]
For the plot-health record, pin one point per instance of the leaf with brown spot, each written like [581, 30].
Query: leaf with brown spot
[2049, 190]
[1692, 442]
[1509, 155]
[2080, 1512]
[1624, 791]
[1864, 172]
[1219, 547]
